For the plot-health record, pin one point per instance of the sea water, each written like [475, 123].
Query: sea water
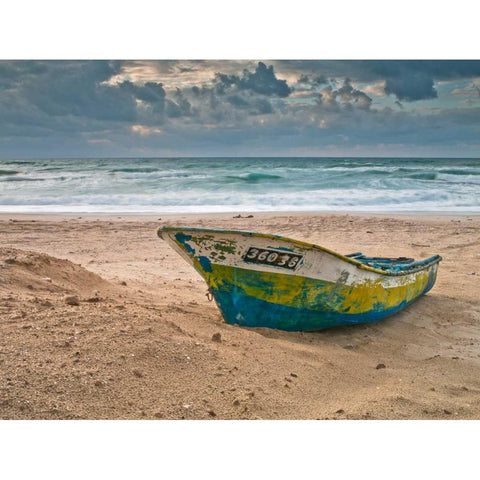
[188, 185]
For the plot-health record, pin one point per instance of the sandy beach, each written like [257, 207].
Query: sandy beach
[141, 340]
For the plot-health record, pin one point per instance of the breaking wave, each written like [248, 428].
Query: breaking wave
[177, 185]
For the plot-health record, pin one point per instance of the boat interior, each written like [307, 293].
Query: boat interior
[399, 264]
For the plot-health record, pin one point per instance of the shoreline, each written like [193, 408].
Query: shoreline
[231, 215]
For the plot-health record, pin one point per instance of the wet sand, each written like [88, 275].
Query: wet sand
[143, 342]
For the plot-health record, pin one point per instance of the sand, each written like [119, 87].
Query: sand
[140, 340]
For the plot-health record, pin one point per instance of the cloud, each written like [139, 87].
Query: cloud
[262, 107]
[346, 96]
[469, 90]
[262, 81]
[74, 96]
[237, 101]
[81, 107]
[185, 69]
[253, 105]
[145, 131]
[77, 89]
[179, 107]
[11, 72]
[150, 92]
[408, 80]
[312, 80]
[411, 80]
[411, 86]
[436, 69]
[376, 89]
[229, 98]
[328, 98]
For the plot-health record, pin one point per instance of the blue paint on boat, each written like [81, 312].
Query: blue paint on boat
[396, 265]
[431, 283]
[183, 239]
[205, 264]
[240, 309]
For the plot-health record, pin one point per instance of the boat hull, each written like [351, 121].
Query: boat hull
[303, 297]
[308, 304]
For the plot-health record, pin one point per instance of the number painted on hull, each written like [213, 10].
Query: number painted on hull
[266, 256]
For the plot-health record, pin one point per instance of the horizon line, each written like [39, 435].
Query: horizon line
[238, 157]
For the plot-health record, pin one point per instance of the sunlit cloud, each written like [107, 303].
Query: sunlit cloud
[376, 89]
[145, 131]
[470, 90]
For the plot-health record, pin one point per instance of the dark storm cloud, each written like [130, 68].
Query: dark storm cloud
[60, 95]
[408, 80]
[436, 69]
[313, 80]
[151, 92]
[303, 79]
[230, 97]
[78, 89]
[262, 81]
[411, 80]
[254, 106]
[238, 101]
[411, 87]
[10, 72]
[179, 107]
[262, 107]
[371, 70]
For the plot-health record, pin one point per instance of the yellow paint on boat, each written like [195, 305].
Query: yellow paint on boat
[300, 292]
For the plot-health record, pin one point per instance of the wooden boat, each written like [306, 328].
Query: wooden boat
[263, 280]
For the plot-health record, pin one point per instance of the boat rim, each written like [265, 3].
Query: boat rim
[428, 261]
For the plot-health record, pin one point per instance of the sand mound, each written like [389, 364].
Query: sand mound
[24, 270]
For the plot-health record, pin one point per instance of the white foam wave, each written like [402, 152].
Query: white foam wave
[227, 185]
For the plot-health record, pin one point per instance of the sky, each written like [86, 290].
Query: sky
[135, 108]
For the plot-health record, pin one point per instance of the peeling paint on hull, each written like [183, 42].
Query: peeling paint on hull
[292, 285]
[249, 311]
[308, 309]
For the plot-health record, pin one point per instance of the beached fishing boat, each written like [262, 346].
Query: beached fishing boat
[263, 280]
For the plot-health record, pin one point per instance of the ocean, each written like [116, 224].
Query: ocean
[253, 184]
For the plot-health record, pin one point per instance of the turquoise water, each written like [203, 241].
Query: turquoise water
[185, 185]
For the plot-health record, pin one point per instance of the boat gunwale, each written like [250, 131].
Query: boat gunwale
[433, 259]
